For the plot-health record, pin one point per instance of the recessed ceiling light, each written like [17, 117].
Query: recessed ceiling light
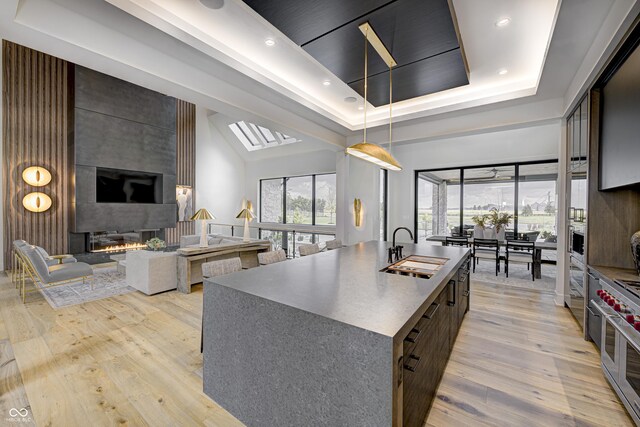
[503, 22]
[350, 99]
[326, 83]
[270, 42]
[361, 108]
[212, 4]
[503, 71]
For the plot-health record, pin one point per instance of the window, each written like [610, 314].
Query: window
[299, 200]
[447, 200]
[256, 137]
[325, 208]
[309, 199]
[438, 203]
[486, 189]
[537, 205]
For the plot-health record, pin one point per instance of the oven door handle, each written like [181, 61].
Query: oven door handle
[602, 312]
[627, 336]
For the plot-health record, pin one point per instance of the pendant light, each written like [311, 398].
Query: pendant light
[364, 150]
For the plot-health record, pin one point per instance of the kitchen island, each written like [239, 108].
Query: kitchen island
[331, 339]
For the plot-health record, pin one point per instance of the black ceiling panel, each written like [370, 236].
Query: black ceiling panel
[420, 34]
[305, 20]
[427, 76]
[410, 29]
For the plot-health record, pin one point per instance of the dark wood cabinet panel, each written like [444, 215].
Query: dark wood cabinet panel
[428, 346]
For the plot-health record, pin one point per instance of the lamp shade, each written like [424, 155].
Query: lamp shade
[202, 214]
[37, 202]
[246, 212]
[36, 176]
[374, 154]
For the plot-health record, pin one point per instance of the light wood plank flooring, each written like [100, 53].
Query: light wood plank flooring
[135, 360]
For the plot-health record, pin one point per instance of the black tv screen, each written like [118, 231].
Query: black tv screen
[620, 132]
[121, 186]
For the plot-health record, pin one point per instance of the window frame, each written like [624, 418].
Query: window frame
[284, 198]
[462, 169]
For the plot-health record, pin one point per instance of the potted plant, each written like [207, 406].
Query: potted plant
[480, 223]
[499, 221]
[156, 244]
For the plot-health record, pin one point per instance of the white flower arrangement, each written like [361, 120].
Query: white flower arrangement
[156, 244]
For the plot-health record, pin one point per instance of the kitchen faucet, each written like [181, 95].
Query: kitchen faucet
[397, 250]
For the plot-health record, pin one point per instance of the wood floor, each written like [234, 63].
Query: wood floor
[134, 360]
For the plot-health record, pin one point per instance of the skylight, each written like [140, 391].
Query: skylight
[256, 137]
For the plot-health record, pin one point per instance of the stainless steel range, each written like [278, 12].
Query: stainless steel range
[619, 307]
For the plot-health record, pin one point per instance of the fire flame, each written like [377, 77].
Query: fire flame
[120, 248]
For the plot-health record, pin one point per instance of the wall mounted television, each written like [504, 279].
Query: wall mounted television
[123, 186]
[620, 125]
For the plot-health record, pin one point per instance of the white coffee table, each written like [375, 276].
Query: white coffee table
[152, 272]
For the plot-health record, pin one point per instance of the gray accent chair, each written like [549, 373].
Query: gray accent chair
[52, 261]
[35, 268]
[271, 257]
[333, 244]
[218, 268]
[309, 249]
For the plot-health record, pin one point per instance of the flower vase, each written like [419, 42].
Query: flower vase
[490, 233]
[501, 234]
[478, 231]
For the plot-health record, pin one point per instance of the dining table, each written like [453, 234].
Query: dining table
[537, 254]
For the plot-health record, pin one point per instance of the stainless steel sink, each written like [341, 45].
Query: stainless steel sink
[416, 266]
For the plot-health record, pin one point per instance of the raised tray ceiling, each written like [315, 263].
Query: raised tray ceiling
[420, 34]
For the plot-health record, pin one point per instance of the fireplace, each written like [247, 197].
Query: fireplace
[118, 241]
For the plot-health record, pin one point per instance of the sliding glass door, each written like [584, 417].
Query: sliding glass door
[446, 200]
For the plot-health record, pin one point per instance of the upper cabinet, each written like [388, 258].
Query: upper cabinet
[578, 136]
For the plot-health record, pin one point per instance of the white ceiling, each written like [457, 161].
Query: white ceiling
[148, 46]
[235, 34]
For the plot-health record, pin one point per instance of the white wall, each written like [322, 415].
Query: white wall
[524, 144]
[361, 180]
[220, 172]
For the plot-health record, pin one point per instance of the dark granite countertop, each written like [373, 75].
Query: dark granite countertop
[346, 285]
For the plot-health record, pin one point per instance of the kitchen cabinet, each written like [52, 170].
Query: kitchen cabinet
[427, 348]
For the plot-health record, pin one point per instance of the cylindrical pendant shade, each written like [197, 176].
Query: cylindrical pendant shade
[36, 176]
[37, 202]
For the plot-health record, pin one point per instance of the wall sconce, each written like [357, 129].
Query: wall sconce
[357, 211]
[37, 202]
[36, 176]
[579, 215]
[572, 213]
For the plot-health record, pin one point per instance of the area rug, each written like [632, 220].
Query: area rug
[519, 276]
[107, 283]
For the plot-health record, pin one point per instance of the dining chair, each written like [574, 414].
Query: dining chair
[456, 241]
[214, 269]
[272, 257]
[333, 244]
[519, 251]
[309, 249]
[486, 249]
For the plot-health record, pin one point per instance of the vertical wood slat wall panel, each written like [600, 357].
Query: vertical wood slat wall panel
[185, 163]
[34, 132]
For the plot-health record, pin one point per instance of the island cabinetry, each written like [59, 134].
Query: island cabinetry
[427, 347]
[424, 361]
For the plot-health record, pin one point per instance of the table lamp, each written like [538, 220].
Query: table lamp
[247, 214]
[203, 216]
